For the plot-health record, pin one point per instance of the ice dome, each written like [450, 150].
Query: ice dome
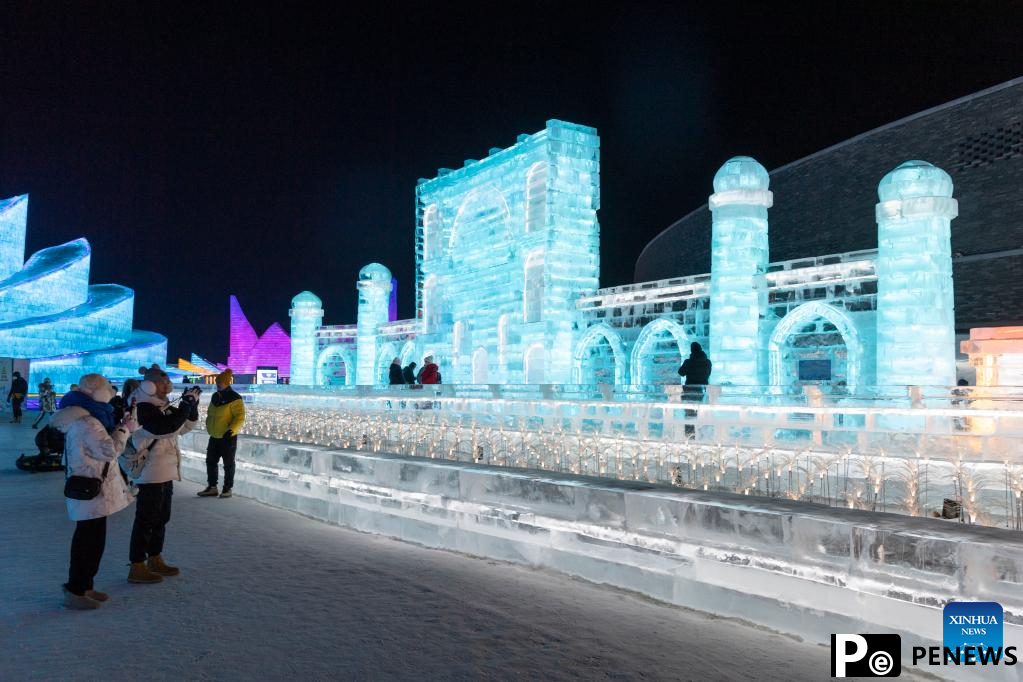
[915, 179]
[375, 272]
[741, 172]
[306, 299]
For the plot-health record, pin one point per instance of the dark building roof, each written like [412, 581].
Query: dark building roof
[824, 203]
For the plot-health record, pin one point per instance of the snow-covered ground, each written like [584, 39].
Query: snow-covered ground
[268, 594]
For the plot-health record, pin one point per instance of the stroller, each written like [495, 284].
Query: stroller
[50, 442]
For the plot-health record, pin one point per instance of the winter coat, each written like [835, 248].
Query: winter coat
[225, 413]
[47, 399]
[395, 375]
[430, 374]
[88, 448]
[696, 369]
[160, 424]
[408, 375]
[19, 388]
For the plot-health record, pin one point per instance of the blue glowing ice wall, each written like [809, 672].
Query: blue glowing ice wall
[915, 308]
[739, 257]
[306, 318]
[52, 316]
[374, 287]
[505, 246]
[13, 219]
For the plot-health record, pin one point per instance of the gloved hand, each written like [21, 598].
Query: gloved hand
[228, 434]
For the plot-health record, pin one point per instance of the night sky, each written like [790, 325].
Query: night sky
[205, 151]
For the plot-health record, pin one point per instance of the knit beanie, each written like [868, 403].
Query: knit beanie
[226, 377]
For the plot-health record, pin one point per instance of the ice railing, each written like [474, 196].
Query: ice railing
[914, 450]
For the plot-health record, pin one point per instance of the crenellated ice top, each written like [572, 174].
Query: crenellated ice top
[375, 272]
[741, 173]
[914, 179]
[306, 299]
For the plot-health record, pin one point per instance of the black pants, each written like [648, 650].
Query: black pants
[152, 512]
[87, 546]
[16, 407]
[221, 448]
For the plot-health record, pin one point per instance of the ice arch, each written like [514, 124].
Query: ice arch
[481, 223]
[592, 364]
[387, 353]
[658, 353]
[334, 366]
[798, 320]
[408, 354]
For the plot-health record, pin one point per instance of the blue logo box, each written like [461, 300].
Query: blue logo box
[977, 624]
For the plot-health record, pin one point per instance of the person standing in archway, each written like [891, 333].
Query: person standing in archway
[696, 369]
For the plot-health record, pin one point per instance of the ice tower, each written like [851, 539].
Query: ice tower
[306, 317]
[506, 246]
[739, 257]
[915, 308]
[52, 316]
[374, 287]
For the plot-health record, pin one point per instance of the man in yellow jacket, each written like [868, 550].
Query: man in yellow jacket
[224, 419]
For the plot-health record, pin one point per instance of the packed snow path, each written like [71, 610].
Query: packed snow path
[268, 594]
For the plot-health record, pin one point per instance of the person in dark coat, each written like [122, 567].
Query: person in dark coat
[395, 374]
[16, 396]
[696, 369]
[409, 374]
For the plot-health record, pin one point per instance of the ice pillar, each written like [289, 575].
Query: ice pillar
[738, 263]
[306, 317]
[374, 296]
[915, 308]
[13, 223]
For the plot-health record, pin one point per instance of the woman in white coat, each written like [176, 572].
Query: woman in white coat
[92, 443]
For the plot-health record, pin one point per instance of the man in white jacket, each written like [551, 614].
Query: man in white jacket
[161, 423]
[92, 443]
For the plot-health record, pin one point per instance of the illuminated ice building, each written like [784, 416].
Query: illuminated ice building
[507, 267]
[51, 315]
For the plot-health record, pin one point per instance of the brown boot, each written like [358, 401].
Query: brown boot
[140, 573]
[157, 565]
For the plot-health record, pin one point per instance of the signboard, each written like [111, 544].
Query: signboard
[266, 375]
[815, 370]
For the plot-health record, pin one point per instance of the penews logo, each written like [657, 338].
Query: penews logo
[866, 655]
[974, 628]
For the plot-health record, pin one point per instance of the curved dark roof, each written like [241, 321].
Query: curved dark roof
[824, 203]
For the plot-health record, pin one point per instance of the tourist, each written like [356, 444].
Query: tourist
[93, 440]
[47, 402]
[696, 370]
[224, 420]
[395, 374]
[160, 423]
[16, 396]
[409, 374]
[122, 402]
[430, 373]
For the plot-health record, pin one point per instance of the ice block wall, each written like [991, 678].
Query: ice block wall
[374, 287]
[13, 225]
[739, 257]
[915, 308]
[505, 247]
[306, 317]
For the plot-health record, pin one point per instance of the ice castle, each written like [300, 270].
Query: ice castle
[51, 315]
[507, 268]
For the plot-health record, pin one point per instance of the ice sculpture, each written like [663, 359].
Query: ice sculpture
[739, 256]
[915, 307]
[374, 287]
[306, 317]
[249, 350]
[50, 314]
